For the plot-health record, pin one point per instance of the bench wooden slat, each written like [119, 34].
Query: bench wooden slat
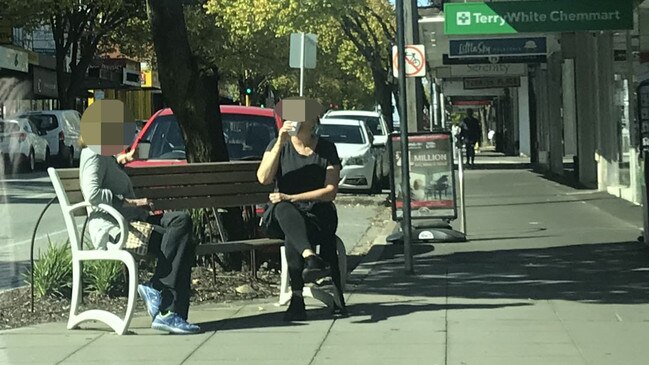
[68, 173]
[230, 246]
[230, 166]
[140, 181]
[209, 202]
[194, 179]
[72, 186]
[212, 167]
[202, 190]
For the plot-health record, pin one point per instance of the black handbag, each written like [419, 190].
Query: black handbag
[266, 223]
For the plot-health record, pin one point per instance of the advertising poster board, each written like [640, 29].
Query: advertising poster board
[432, 177]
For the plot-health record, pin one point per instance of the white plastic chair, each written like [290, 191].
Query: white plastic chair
[313, 292]
[113, 252]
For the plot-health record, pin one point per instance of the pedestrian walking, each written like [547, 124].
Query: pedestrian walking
[470, 135]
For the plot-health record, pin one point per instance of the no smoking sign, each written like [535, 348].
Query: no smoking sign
[415, 61]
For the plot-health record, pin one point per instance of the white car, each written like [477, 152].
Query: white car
[22, 146]
[379, 128]
[62, 130]
[360, 161]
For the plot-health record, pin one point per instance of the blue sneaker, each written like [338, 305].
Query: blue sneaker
[151, 297]
[171, 322]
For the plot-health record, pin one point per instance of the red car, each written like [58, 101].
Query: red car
[247, 132]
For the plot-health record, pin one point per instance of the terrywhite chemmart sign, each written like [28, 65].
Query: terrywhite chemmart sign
[507, 17]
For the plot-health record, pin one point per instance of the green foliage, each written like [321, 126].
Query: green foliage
[200, 222]
[52, 271]
[103, 277]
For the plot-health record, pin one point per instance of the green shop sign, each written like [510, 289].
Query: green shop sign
[507, 17]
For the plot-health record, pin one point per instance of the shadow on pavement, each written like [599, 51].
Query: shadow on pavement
[22, 199]
[581, 199]
[607, 273]
[382, 311]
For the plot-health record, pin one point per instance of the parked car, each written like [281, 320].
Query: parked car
[247, 131]
[22, 145]
[361, 162]
[379, 128]
[62, 129]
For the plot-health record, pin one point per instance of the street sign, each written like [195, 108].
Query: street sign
[310, 50]
[432, 177]
[508, 17]
[415, 61]
[491, 82]
[13, 59]
[489, 47]
[498, 69]
[446, 60]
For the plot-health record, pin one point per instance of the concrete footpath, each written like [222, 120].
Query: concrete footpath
[552, 275]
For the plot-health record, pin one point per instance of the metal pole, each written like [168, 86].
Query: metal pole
[460, 164]
[645, 196]
[302, 65]
[435, 104]
[430, 105]
[405, 158]
[442, 106]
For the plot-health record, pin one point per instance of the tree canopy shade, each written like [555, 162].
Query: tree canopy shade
[78, 27]
[352, 35]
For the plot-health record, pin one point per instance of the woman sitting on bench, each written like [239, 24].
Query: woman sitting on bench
[103, 180]
[307, 170]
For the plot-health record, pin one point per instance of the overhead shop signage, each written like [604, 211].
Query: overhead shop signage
[497, 69]
[535, 46]
[13, 59]
[509, 17]
[45, 82]
[491, 82]
[446, 60]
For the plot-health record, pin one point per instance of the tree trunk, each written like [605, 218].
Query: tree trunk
[191, 93]
[383, 96]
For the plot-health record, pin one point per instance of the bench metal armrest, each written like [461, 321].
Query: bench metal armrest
[121, 221]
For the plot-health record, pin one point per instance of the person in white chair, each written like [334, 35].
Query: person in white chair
[105, 126]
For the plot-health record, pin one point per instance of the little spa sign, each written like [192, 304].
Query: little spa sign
[508, 17]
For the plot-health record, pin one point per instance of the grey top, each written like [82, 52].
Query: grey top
[102, 180]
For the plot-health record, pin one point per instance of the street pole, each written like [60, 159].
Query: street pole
[430, 105]
[302, 46]
[405, 158]
[414, 89]
[435, 98]
[460, 164]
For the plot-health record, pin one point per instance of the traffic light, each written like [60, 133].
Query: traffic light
[249, 86]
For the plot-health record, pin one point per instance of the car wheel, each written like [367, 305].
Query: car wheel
[29, 164]
[375, 188]
[66, 155]
[48, 159]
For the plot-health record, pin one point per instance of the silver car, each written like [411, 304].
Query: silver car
[22, 145]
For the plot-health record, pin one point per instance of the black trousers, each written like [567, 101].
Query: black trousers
[470, 152]
[175, 253]
[303, 228]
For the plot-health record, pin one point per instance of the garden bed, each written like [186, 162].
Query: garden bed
[15, 308]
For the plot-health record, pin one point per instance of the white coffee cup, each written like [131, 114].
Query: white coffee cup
[295, 128]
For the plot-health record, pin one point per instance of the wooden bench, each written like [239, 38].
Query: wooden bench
[175, 187]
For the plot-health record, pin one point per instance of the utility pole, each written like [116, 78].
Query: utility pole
[413, 84]
[406, 224]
